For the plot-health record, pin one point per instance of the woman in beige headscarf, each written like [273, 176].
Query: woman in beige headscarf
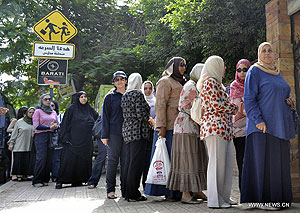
[188, 158]
[266, 168]
[216, 130]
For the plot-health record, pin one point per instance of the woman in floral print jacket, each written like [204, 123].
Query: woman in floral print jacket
[216, 130]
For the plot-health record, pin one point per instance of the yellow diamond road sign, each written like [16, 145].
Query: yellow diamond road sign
[55, 27]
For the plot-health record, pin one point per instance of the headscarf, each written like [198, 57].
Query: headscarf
[268, 68]
[196, 72]
[46, 109]
[56, 107]
[26, 118]
[213, 68]
[151, 99]
[237, 86]
[172, 69]
[134, 82]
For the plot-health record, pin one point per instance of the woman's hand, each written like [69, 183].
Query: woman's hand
[162, 132]
[10, 147]
[262, 126]
[53, 126]
[291, 102]
[151, 121]
[104, 141]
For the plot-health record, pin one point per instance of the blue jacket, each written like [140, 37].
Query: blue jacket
[265, 96]
[112, 119]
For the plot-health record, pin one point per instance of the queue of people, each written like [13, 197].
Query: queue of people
[199, 120]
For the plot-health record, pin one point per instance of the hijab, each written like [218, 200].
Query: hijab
[213, 68]
[196, 72]
[151, 99]
[237, 86]
[26, 118]
[56, 107]
[172, 70]
[46, 109]
[134, 82]
[268, 68]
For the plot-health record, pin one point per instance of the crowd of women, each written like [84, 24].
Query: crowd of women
[199, 120]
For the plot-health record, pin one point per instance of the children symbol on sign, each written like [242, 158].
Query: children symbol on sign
[64, 30]
[51, 28]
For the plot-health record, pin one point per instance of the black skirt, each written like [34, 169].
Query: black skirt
[21, 163]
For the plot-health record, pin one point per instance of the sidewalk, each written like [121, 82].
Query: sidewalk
[17, 197]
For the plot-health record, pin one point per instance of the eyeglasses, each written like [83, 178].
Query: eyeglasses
[240, 69]
[52, 105]
[119, 79]
[47, 99]
[182, 64]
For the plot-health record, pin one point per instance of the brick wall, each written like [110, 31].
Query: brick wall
[278, 25]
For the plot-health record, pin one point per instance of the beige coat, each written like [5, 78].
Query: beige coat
[167, 99]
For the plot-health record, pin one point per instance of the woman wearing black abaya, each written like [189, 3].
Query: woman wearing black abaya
[76, 135]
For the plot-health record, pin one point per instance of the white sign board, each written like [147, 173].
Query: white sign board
[53, 50]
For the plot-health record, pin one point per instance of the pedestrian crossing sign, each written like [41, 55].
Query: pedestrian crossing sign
[55, 27]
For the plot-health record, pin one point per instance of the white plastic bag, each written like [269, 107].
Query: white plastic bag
[160, 165]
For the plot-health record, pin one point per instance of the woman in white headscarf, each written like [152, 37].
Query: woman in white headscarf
[188, 158]
[148, 91]
[136, 133]
[216, 130]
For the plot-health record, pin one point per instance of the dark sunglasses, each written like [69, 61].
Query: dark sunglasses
[119, 79]
[52, 105]
[240, 70]
[47, 99]
[182, 64]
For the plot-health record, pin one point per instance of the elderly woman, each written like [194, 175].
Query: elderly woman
[136, 133]
[20, 144]
[266, 171]
[75, 134]
[166, 110]
[239, 120]
[45, 122]
[188, 158]
[216, 130]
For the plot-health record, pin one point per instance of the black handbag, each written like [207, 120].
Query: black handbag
[96, 131]
[53, 139]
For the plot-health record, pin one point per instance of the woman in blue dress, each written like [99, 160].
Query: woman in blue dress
[266, 171]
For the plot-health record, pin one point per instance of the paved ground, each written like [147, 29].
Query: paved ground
[22, 197]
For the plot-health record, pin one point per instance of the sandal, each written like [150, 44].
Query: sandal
[111, 195]
[91, 186]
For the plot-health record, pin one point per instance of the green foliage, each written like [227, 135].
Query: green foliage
[138, 37]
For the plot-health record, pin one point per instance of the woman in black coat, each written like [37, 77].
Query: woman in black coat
[76, 135]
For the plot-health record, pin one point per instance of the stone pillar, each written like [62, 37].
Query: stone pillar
[278, 25]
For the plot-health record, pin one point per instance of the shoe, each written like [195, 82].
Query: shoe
[58, 186]
[111, 195]
[269, 208]
[45, 184]
[142, 198]
[191, 201]
[38, 185]
[225, 206]
[232, 202]
[91, 186]
[196, 197]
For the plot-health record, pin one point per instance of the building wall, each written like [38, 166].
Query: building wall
[278, 24]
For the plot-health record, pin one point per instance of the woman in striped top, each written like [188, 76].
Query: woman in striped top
[45, 122]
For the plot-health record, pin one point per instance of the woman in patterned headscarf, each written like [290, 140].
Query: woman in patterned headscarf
[239, 120]
[166, 110]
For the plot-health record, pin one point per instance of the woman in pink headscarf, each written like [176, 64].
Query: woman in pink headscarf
[239, 120]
